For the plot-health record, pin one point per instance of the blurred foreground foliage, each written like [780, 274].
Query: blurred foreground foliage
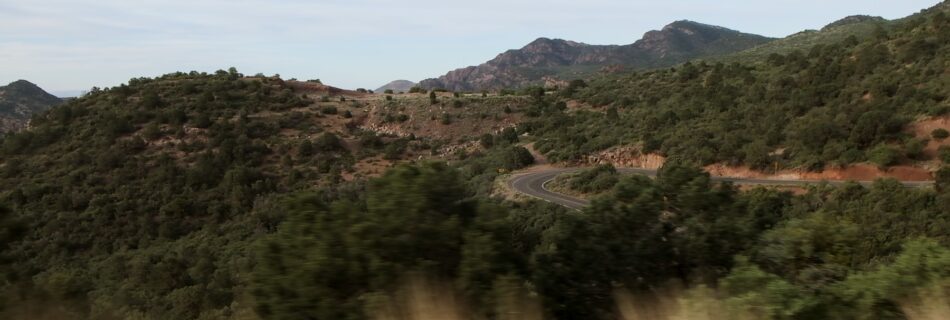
[845, 252]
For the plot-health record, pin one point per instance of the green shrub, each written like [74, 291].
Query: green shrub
[942, 178]
[516, 158]
[507, 136]
[598, 179]
[328, 142]
[940, 133]
[151, 132]
[305, 149]
[914, 149]
[883, 156]
[943, 153]
[328, 110]
[394, 149]
[370, 140]
[486, 141]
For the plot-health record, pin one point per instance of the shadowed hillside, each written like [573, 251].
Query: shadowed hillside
[19, 100]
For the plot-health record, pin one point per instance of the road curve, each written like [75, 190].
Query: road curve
[534, 184]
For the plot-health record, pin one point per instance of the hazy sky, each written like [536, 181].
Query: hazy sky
[67, 45]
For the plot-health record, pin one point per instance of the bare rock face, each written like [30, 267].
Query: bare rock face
[626, 157]
[19, 100]
[544, 58]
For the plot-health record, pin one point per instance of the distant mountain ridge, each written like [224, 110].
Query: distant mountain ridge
[19, 100]
[858, 26]
[556, 59]
[396, 86]
[853, 20]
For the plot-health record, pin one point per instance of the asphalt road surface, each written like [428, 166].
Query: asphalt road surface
[534, 184]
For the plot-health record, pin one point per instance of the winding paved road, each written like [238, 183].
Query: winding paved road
[533, 184]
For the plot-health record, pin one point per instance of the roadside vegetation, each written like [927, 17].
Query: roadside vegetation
[846, 252]
[586, 182]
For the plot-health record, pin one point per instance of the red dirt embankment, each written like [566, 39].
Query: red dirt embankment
[857, 172]
[631, 157]
[922, 129]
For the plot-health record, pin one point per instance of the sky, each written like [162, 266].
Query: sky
[66, 46]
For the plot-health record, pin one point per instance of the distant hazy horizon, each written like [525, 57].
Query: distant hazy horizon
[67, 47]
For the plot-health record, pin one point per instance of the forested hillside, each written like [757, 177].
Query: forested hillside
[836, 104]
[859, 27]
[137, 197]
[222, 196]
[143, 200]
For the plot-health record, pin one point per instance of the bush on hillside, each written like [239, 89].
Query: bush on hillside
[940, 133]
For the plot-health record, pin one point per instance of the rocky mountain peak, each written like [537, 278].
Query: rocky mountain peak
[542, 44]
[686, 30]
[545, 57]
[692, 37]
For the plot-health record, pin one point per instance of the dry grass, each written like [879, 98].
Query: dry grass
[705, 304]
[673, 304]
[423, 298]
[929, 304]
